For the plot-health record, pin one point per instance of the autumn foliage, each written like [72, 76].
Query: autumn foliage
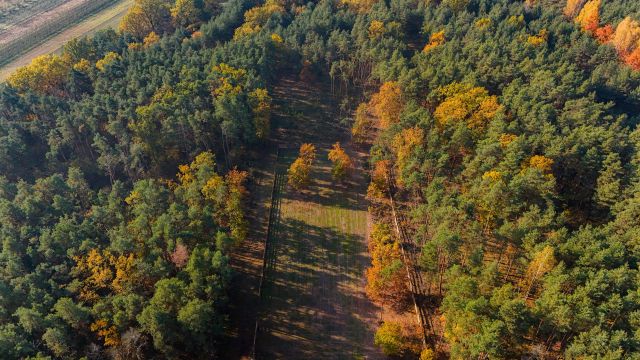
[436, 39]
[342, 164]
[378, 187]
[403, 146]
[363, 125]
[464, 103]
[260, 102]
[300, 171]
[589, 16]
[45, 74]
[542, 262]
[387, 277]
[256, 17]
[625, 38]
[387, 104]
[103, 272]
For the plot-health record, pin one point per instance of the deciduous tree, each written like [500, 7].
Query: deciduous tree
[299, 172]
[387, 104]
[342, 164]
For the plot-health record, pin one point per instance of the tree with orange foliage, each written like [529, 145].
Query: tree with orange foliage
[300, 171]
[342, 164]
[387, 277]
[233, 207]
[436, 39]
[633, 59]
[378, 187]
[109, 333]
[604, 33]
[388, 103]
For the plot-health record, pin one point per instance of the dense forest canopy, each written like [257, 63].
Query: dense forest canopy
[509, 129]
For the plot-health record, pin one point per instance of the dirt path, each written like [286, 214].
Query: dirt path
[314, 305]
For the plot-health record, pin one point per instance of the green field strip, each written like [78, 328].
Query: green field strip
[312, 269]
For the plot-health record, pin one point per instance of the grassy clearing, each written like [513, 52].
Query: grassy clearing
[107, 18]
[313, 297]
[314, 305]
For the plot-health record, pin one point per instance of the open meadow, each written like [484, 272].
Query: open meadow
[313, 299]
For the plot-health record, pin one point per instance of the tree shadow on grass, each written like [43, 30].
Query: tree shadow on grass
[313, 304]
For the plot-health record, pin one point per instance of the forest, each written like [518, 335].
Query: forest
[504, 153]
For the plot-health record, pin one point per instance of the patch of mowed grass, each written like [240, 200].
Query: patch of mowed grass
[317, 243]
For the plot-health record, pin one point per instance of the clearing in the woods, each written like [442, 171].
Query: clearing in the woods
[313, 303]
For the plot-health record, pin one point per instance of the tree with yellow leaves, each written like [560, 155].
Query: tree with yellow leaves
[589, 16]
[108, 59]
[542, 262]
[403, 145]
[539, 38]
[83, 66]
[260, 102]
[150, 39]
[256, 17]
[506, 139]
[386, 277]
[379, 186]
[102, 272]
[541, 163]
[387, 104]
[376, 29]
[234, 204]
[227, 194]
[146, 16]
[299, 172]
[436, 39]
[45, 74]
[342, 164]
[627, 36]
[227, 80]
[465, 103]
